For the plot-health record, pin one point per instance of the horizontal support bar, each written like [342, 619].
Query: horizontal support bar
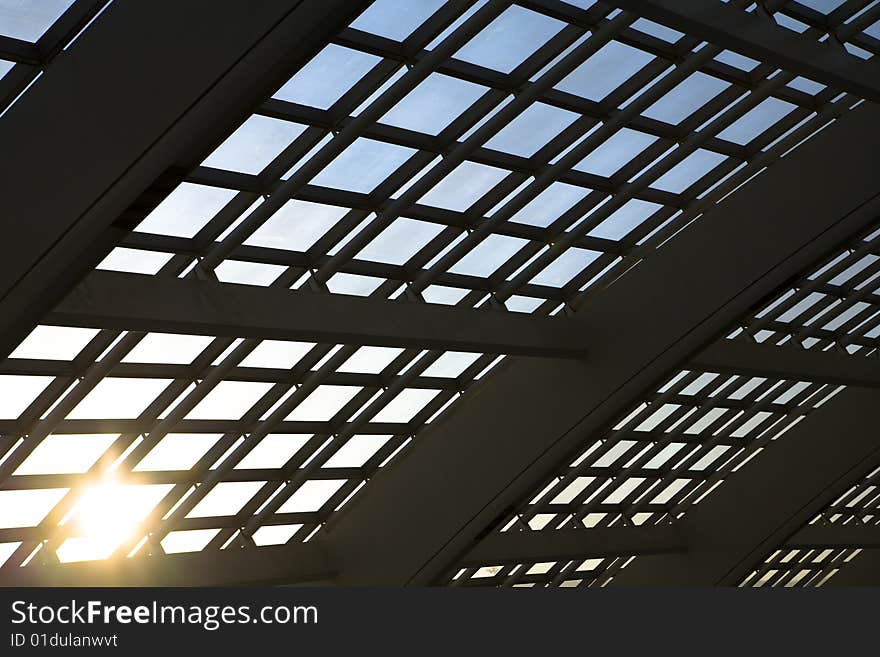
[789, 362]
[518, 547]
[757, 37]
[136, 302]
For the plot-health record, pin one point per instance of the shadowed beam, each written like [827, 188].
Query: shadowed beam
[288, 564]
[516, 547]
[864, 570]
[136, 302]
[760, 38]
[850, 535]
[789, 362]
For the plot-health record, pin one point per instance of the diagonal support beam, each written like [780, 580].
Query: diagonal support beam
[851, 535]
[759, 507]
[136, 302]
[527, 418]
[516, 547]
[787, 362]
[119, 121]
[864, 570]
[754, 36]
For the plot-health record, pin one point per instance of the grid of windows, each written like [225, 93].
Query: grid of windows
[514, 155]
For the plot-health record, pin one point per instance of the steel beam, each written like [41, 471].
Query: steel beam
[119, 121]
[850, 535]
[516, 547]
[528, 418]
[754, 36]
[136, 302]
[300, 563]
[789, 362]
[864, 570]
[760, 506]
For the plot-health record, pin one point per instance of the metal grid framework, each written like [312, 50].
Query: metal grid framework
[528, 191]
[26, 48]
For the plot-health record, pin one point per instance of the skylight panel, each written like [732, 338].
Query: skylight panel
[532, 130]
[118, 398]
[19, 392]
[177, 451]
[5, 66]
[193, 540]
[229, 400]
[550, 204]
[297, 225]
[686, 98]
[823, 6]
[168, 348]
[623, 490]
[434, 104]
[807, 86]
[273, 451]
[400, 241]
[363, 165]
[281, 354]
[357, 451]
[657, 30]
[521, 304]
[327, 77]
[451, 364]
[756, 121]
[66, 454]
[225, 499]
[275, 534]
[28, 20]
[616, 151]
[343, 283]
[396, 19]
[257, 142]
[324, 403]
[736, 60]
[7, 550]
[186, 210]
[443, 294]
[629, 217]
[467, 183]
[488, 255]
[605, 71]
[248, 273]
[136, 261]
[54, 342]
[27, 508]
[311, 496]
[571, 262]
[688, 171]
[370, 360]
[405, 406]
[510, 39]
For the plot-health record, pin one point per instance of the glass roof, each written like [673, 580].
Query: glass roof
[549, 147]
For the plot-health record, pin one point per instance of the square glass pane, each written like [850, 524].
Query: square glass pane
[434, 104]
[451, 364]
[19, 392]
[559, 272]
[606, 70]
[625, 220]
[510, 39]
[807, 86]
[532, 130]
[168, 348]
[280, 354]
[54, 342]
[324, 403]
[736, 60]
[400, 241]
[363, 166]
[325, 79]
[488, 255]
[406, 405]
[225, 499]
[27, 508]
[177, 451]
[257, 142]
[442, 294]
[66, 454]
[356, 452]
[686, 98]
[657, 30]
[5, 66]
[136, 261]
[356, 284]
[297, 225]
[275, 534]
[756, 121]
[550, 204]
[615, 152]
[395, 19]
[248, 273]
[311, 496]
[28, 20]
[688, 171]
[186, 210]
[273, 451]
[467, 183]
[193, 540]
[229, 400]
[119, 398]
[370, 360]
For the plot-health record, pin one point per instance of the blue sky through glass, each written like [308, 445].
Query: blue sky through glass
[29, 19]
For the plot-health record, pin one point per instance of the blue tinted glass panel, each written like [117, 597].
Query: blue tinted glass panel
[550, 204]
[434, 104]
[606, 70]
[255, 144]
[324, 80]
[395, 19]
[531, 130]
[363, 166]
